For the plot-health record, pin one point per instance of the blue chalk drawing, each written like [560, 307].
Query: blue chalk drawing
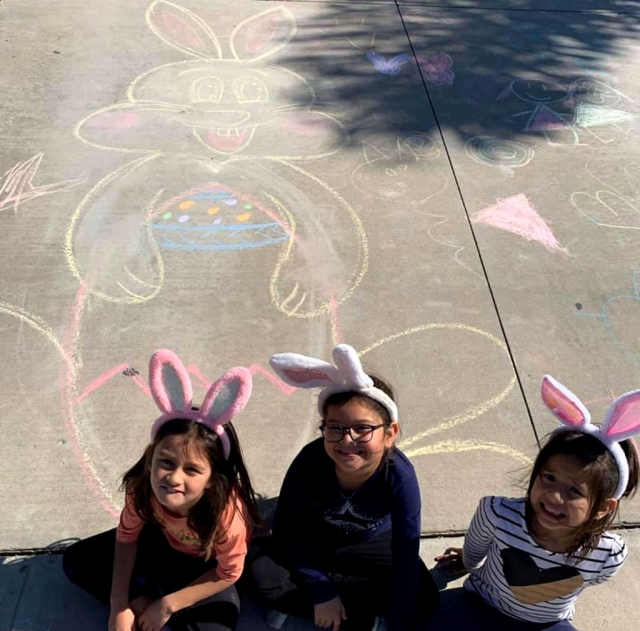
[614, 325]
[239, 237]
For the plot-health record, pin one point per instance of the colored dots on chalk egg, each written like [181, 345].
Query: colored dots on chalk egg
[216, 221]
[248, 206]
[213, 210]
[187, 205]
[166, 216]
[243, 217]
[183, 218]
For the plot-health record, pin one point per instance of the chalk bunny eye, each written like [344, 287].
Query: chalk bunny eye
[250, 90]
[390, 172]
[207, 89]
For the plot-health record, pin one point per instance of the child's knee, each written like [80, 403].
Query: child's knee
[272, 581]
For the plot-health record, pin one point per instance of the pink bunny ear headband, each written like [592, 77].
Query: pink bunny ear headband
[346, 376]
[621, 422]
[173, 394]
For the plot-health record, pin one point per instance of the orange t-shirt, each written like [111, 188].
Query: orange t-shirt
[230, 550]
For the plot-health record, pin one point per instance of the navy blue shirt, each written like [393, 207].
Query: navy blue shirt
[314, 517]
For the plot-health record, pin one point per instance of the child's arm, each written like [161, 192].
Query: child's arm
[456, 562]
[121, 616]
[617, 557]
[479, 536]
[405, 546]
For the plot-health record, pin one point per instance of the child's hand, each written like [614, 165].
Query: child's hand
[451, 563]
[122, 619]
[330, 614]
[155, 616]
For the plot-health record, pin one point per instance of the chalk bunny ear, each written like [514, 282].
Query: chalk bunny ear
[347, 360]
[304, 372]
[564, 405]
[623, 418]
[263, 35]
[227, 397]
[183, 30]
[170, 382]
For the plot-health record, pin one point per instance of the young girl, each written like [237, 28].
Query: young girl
[346, 532]
[541, 551]
[189, 509]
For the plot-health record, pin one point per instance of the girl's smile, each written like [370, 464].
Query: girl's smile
[179, 475]
[560, 497]
[357, 459]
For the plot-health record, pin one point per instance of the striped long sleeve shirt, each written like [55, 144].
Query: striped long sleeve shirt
[522, 579]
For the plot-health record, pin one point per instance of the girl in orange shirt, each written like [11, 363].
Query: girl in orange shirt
[189, 511]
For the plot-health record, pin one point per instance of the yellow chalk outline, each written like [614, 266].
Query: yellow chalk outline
[453, 446]
[465, 415]
[360, 268]
[88, 198]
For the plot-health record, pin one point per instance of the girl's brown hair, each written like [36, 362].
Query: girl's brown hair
[229, 479]
[602, 480]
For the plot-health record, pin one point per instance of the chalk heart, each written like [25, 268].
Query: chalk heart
[622, 316]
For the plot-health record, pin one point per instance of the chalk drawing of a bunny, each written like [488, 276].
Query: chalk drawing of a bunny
[220, 140]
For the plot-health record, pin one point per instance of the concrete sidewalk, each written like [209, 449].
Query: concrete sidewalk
[35, 589]
[451, 186]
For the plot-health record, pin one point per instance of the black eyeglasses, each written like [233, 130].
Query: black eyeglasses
[360, 433]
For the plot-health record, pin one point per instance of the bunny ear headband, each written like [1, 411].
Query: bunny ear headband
[621, 422]
[173, 394]
[346, 375]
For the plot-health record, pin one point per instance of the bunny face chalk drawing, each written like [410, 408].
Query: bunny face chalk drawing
[410, 174]
[217, 136]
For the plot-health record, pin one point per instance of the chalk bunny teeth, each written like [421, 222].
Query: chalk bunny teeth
[621, 422]
[172, 391]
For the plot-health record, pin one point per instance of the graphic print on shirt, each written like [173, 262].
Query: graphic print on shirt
[531, 584]
[349, 520]
[181, 535]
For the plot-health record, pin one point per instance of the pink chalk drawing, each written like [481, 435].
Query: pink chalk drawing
[438, 69]
[516, 214]
[564, 111]
[17, 187]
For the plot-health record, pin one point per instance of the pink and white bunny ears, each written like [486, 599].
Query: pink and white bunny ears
[173, 394]
[621, 422]
[346, 376]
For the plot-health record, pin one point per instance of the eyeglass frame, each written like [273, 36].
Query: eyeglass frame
[347, 430]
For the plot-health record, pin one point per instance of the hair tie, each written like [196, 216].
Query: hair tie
[621, 422]
[345, 375]
[172, 391]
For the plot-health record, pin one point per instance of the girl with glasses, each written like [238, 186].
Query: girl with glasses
[346, 531]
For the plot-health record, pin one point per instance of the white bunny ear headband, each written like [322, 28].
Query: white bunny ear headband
[621, 422]
[173, 394]
[346, 375]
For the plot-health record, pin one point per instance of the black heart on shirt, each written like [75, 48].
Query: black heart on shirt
[531, 584]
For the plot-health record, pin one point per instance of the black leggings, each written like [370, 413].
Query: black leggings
[159, 569]
[361, 574]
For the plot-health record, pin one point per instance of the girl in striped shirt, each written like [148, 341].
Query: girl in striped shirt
[529, 559]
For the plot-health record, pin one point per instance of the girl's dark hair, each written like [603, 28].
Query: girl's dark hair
[229, 479]
[601, 478]
[341, 398]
